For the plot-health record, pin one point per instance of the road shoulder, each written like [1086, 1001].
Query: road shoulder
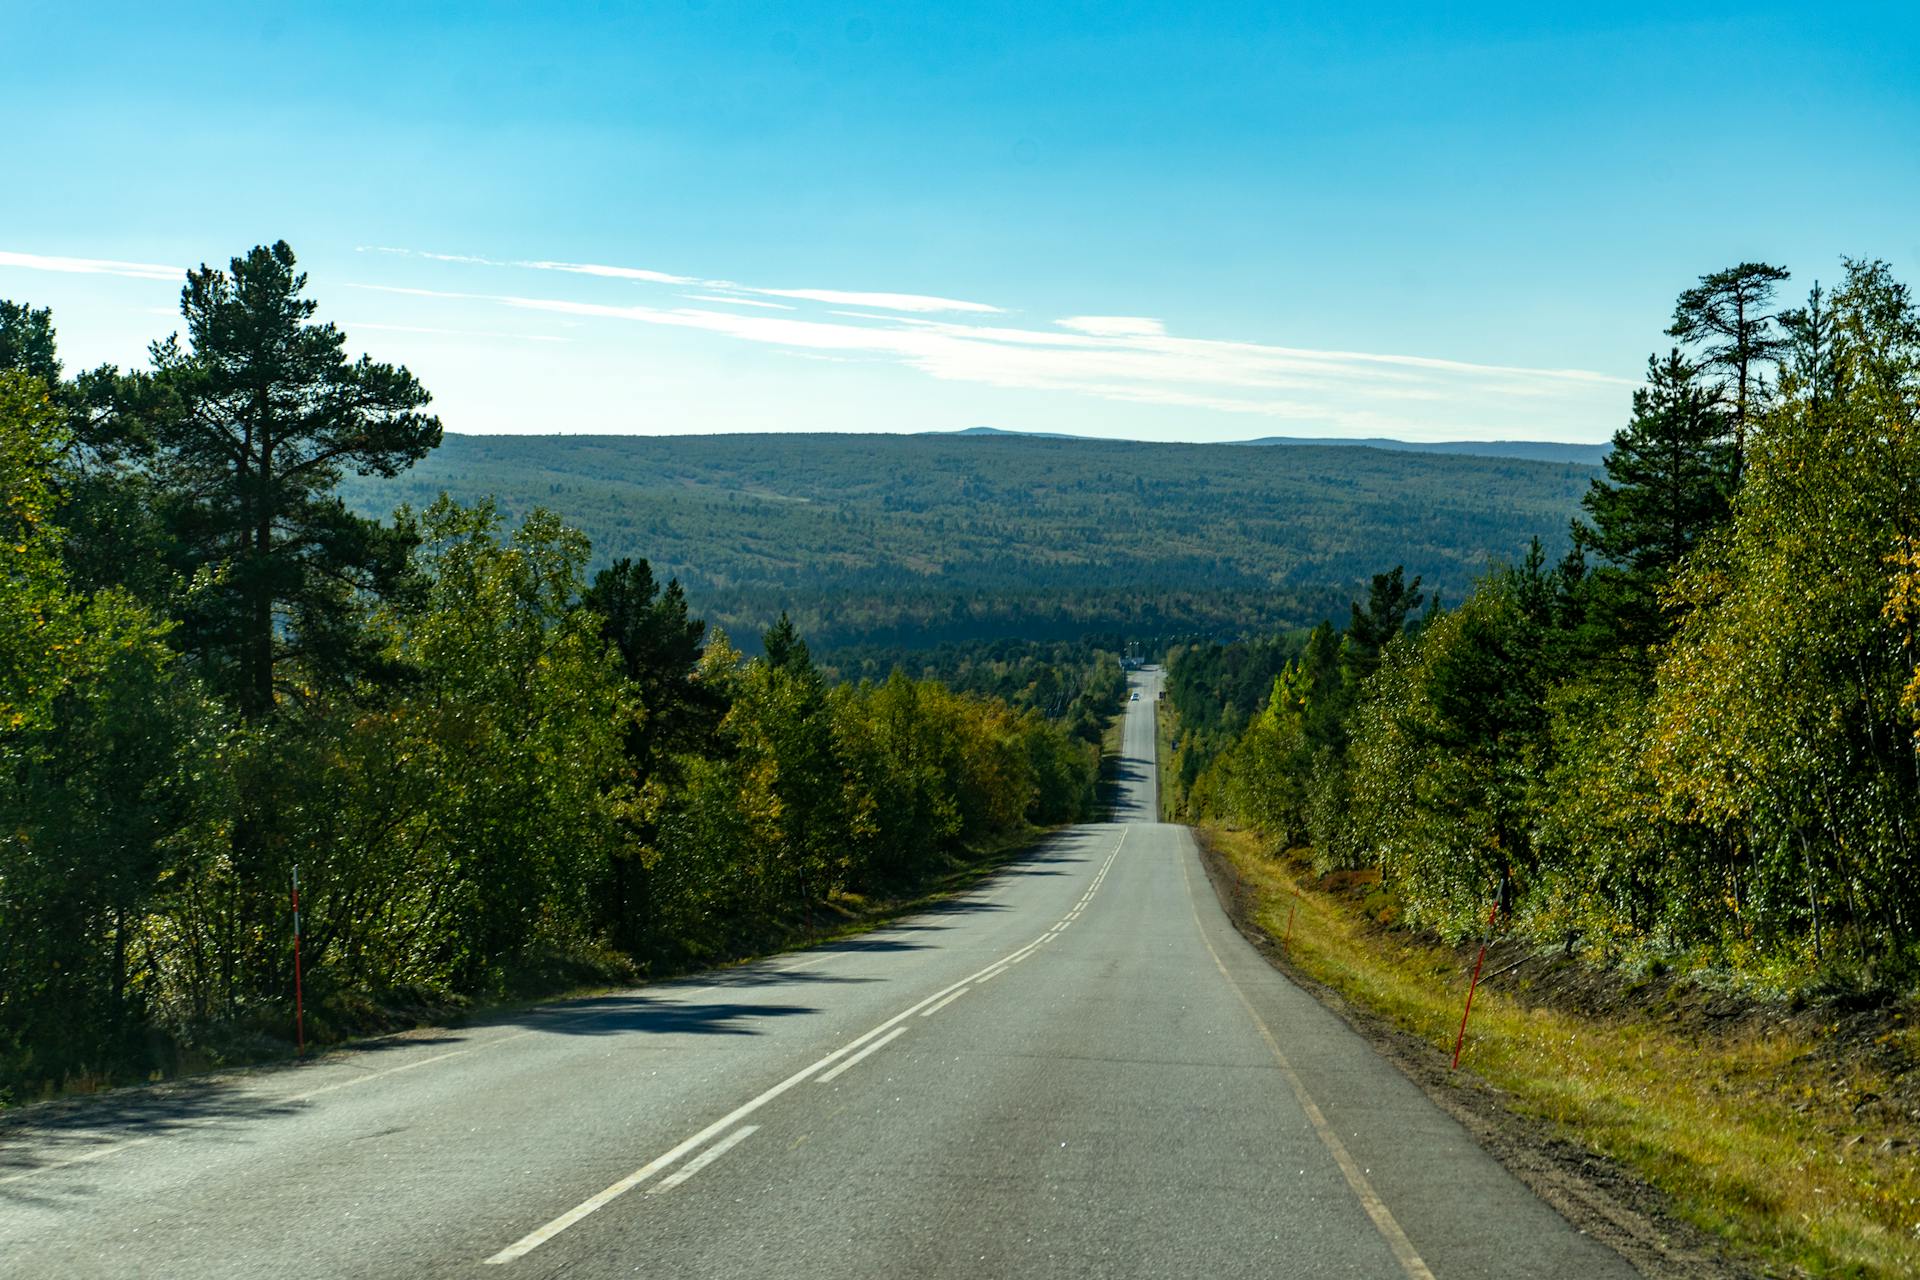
[1598, 1196]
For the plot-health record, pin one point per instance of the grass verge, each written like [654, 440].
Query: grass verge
[1112, 743]
[1771, 1129]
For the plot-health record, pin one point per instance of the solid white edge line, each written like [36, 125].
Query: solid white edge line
[84, 1158]
[1384, 1222]
[705, 1158]
[857, 1058]
[376, 1075]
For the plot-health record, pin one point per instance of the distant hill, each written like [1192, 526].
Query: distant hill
[1536, 450]
[912, 539]
[1001, 431]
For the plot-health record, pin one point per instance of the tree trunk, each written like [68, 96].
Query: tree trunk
[260, 683]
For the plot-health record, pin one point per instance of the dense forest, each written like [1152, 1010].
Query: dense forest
[496, 769]
[1697, 733]
[916, 541]
[1077, 683]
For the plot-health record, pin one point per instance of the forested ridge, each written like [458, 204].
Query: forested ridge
[921, 540]
[500, 766]
[1693, 737]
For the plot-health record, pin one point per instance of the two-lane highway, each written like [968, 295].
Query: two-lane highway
[1078, 1069]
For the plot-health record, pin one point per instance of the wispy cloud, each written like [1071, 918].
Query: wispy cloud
[916, 303]
[736, 302]
[885, 301]
[1114, 326]
[90, 266]
[1128, 359]
[356, 326]
[611, 273]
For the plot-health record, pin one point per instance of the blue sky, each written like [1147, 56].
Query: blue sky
[1160, 221]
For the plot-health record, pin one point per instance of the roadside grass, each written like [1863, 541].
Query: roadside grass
[1112, 743]
[1165, 727]
[1747, 1131]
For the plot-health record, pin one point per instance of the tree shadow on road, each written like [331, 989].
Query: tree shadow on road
[84, 1129]
[625, 1014]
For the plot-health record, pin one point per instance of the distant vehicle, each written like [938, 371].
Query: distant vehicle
[1134, 698]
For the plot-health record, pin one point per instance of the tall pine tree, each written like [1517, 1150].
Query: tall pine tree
[257, 417]
[1669, 481]
[1725, 319]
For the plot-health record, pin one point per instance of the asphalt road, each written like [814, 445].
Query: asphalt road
[1078, 1069]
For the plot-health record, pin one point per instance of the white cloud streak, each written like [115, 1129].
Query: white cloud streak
[611, 273]
[736, 302]
[357, 326]
[918, 303]
[1114, 326]
[884, 301]
[90, 266]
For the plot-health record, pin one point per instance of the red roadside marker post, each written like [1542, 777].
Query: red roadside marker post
[1461, 1039]
[1286, 940]
[299, 1014]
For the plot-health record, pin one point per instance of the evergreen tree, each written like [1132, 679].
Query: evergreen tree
[660, 651]
[1725, 317]
[26, 342]
[785, 649]
[1809, 351]
[255, 420]
[1391, 602]
[1668, 475]
[659, 647]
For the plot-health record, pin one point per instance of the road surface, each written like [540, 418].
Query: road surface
[1077, 1069]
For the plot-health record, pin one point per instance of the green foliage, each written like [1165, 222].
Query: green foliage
[1285, 772]
[1779, 719]
[254, 421]
[1669, 475]
[103, 756]
[1708, 742]
[1669, 481]
[27, 342]
[516, 709]
[1078, 684]
[40, 634]
[1445, 772]
[865, 788]
[492, 776]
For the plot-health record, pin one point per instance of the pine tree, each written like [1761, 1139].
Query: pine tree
[1725, 317]
[1391, 601]
[255, 419]
[1667, 475]
[26, 342]
[1810, 348]
[785, 649]
[659, 648]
